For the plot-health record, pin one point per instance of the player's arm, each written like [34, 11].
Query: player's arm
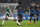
[29, 11]
[39, 10]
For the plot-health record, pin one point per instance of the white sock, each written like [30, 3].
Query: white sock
[18, 23]
[3, 22]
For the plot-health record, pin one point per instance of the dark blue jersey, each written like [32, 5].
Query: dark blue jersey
[32, 10]
[20, 12]
[37, 10]
[19, 8]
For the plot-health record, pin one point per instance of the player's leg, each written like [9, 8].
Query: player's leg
[34, 18]
[37, 17]
[3, 17]
[30, 17]
[19, 19]
[18, 23]
[13, 19]
[3, 22]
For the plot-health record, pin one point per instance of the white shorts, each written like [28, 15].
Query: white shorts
[10, 18]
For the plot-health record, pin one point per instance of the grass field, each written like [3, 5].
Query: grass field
[24, 24]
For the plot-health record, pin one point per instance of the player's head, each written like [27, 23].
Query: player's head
[33, 4]
[37, 5]
[20, 4]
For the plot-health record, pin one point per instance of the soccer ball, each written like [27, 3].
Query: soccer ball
[6, 18]
[28, 22]
[14, 19]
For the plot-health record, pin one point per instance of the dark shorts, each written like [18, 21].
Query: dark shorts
[19, 17]
[37, 14]
[31, 15]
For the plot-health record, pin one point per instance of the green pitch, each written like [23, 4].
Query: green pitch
[9, 23]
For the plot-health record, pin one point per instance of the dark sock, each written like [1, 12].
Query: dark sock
[34, 21]
[37, 19]
[30, 20]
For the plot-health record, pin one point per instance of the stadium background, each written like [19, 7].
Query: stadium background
[25, 4]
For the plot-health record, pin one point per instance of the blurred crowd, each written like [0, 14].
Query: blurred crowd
[23, 4]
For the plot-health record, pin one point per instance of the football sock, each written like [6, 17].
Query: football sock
[3, 22]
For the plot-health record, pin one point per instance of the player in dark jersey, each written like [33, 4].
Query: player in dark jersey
[19, 13]
[31, 12]
[37, 11]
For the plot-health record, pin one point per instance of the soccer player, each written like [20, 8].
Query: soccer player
[6, 15]
[8, 8]
[19, 8]
[37, 11]
[31, 12]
